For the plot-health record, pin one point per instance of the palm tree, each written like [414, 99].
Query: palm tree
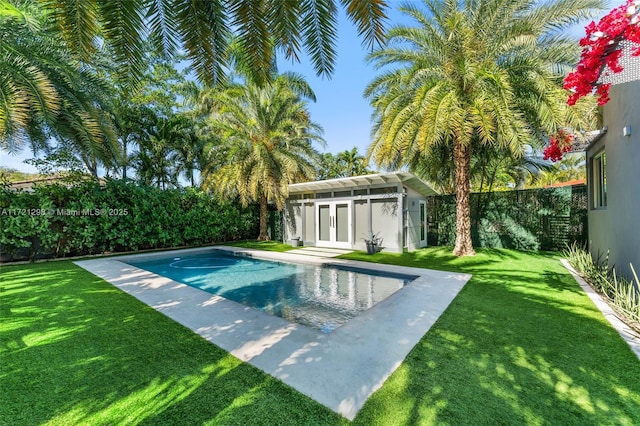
[352, 163]
[485, 72]
[130, 121]
[499, 169]
[162, 93]
[204, 28]
[571, 167]
[343, 164]
[165, 150]
[328, 167]
[45, 94]
[267, 134]
[188, 149]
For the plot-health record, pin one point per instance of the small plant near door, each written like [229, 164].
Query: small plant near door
[373, 241]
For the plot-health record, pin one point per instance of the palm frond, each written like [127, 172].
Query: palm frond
[250, 21]
[78, 21]
[122, 24]
[205, 33]
[319, 23]
[162, 22]
[284, 16]
[369, 16]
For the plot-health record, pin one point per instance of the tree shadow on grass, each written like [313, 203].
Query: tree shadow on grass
[76, 350]
[514, 351]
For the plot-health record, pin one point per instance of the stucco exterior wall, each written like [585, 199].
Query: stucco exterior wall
[384, 222]
[413, 219]
[360, 223]
[293, 220]
[616, 227]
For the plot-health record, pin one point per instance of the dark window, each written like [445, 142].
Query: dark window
[385, 190]
[599, 179]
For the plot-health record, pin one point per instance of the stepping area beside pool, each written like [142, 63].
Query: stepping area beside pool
[320, 251]
[339, 370]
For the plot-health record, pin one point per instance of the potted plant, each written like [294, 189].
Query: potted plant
[372, 240]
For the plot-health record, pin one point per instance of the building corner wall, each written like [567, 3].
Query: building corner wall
[615, 229]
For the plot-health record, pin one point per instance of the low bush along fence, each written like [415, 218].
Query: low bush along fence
[532, 219]
[88, 218]
[621, 292]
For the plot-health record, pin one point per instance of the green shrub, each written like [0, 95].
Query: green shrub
[87, 218]
[499, 230]
[25, 223]
[532, 219]
[623, 293]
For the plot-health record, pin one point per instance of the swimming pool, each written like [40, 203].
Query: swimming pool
[323, 297]
[340, 369]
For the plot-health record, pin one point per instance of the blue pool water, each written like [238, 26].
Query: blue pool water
[320, 297]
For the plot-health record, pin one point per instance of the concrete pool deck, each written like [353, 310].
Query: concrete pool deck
[339, 370]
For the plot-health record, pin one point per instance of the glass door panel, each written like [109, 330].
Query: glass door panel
[324, 222]
[342, 223]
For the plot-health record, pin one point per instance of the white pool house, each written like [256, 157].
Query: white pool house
[339, 213]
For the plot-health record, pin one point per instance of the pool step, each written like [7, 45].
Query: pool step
[320, 251]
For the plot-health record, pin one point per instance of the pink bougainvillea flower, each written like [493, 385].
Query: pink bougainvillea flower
[559, 143]
[601, 52]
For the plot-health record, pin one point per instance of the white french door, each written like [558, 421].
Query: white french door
[333, 226]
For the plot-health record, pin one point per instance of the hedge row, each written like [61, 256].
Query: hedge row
[532, 219]
[88, 218]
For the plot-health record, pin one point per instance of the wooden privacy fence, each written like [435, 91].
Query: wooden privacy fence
[532, 219]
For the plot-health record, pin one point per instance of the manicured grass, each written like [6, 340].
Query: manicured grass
[76, 350]
[261, 245]
[521, 344]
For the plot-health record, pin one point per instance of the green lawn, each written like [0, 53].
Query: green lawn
[261, 245]
[521, 344]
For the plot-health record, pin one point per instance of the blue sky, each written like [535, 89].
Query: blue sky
[340, 109]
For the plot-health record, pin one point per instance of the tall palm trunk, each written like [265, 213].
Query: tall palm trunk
[263, 236]
[462, 161]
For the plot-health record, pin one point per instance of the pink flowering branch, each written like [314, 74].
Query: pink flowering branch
[600, 50]
[559, 143]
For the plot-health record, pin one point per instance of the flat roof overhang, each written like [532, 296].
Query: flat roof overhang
[355, 182]
[588, 141]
